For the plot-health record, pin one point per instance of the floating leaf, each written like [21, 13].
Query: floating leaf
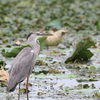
[16, 50]
[42, 41]
[89, 91]
[85, 86]
[70, 76]
[23, 91]
[55, 24]
[99, 25]
[92, 69]
[81, 51]
[2, 63]
[24, 3]
[29, 84]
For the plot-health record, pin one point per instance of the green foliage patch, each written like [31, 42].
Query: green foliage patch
[81, 51]
[18, 18]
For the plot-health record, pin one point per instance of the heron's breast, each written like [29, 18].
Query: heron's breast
[32, 51]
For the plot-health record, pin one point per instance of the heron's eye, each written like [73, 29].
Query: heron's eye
[38, 33]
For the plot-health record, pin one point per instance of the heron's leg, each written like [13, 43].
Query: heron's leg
[27, 87]
[19, 92]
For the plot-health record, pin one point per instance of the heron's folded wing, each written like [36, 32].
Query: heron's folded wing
[22, 63]
[21, 67]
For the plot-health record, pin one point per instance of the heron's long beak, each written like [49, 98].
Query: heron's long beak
[45, 34]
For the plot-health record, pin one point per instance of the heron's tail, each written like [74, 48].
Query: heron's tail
[11, 89]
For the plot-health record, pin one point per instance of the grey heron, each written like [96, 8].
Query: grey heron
[24, 62]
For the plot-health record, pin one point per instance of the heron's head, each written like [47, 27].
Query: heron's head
[36, 35]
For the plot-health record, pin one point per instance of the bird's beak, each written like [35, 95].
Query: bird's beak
[45, 34]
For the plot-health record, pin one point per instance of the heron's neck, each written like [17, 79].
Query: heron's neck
[35, 46]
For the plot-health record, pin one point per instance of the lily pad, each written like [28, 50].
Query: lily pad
[89, 90]
[2, 63]
[55, 24]
[81, 51]
[16, 50]
[42, 42]
[13, 52]
[99, 25]
[70, 76]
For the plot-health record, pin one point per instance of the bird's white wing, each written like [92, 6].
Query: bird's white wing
[22, 66]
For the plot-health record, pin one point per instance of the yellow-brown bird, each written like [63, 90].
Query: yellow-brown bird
[56, 38]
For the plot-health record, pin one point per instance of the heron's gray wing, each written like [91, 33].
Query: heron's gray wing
[21, 67]
[23, 56]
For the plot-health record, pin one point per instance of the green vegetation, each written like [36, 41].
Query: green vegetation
[51, 76]
[18, 18]
[81, 51]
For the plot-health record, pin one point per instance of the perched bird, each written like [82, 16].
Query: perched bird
[24, 62]
[56, 38]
